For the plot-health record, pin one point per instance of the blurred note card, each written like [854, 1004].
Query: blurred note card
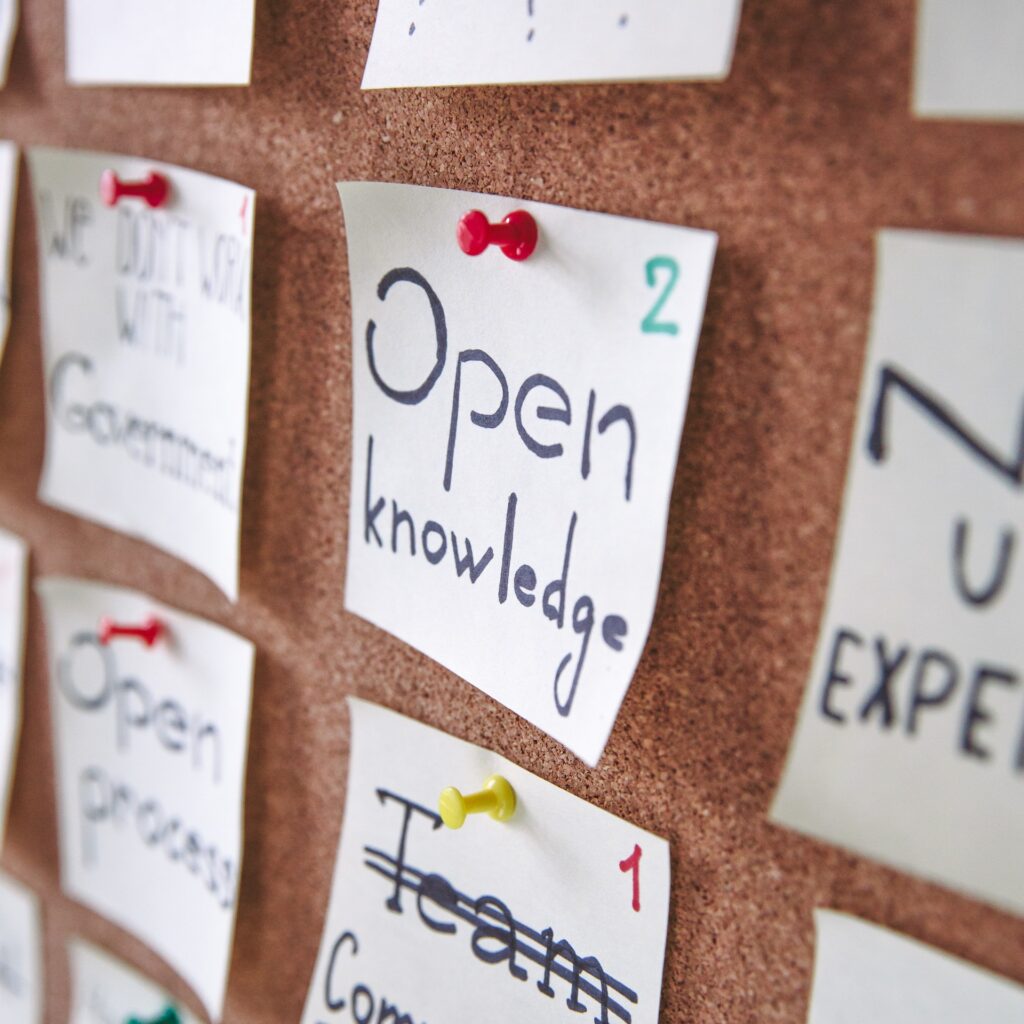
[910, 742]
[21, 954]
[8, 27]
[515, 429]
[970, 60]
[159, 42]
[107, 991]
[865, 974]
[8, 195]
[151, 748]
[13, 594]
[558, 914]
[146, 327]
[466, 42]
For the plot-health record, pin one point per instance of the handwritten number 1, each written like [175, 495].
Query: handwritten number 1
[632, 863]
[651, 324]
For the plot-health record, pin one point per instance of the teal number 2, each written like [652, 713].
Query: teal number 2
[651, 324]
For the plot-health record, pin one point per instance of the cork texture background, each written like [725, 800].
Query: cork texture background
[795, 160]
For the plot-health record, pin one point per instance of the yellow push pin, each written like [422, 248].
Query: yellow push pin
[497, 798]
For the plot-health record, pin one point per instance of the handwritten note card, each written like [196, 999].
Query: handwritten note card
[106, 991]
[8, 26]
[146, 345]
[970, 59]
[159, 42]
[8, 192]
[13, 587]
[21, 967]
[864, 973]
[515, 428]
[909, 746]
[464, 42]
[151, 749]
[559, 912]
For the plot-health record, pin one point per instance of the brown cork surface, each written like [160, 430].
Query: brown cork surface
[795, 161]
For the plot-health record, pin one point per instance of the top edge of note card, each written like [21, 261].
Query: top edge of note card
[160, 42]
[463, 42]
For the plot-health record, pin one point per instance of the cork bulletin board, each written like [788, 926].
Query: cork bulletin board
[795, 160]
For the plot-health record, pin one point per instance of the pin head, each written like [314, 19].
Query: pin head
[148, 632]
[153, 190]
[516, 235]
[497, 798]
[169, 1016]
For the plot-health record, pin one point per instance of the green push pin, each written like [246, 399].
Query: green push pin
[169, 1016]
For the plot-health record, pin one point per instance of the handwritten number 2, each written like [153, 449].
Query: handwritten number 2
[651, 324]
[632, 863]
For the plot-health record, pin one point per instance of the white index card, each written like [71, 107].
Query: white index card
[515, 431]
[910, 740]
[159, 42]
[464, 42]
[557, 914]
[150, 751]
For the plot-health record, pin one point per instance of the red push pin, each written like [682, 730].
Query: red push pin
[149, 632]
[516, 235]
[153, 190]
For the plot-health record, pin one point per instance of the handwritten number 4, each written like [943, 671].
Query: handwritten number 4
[632, 863]
[651, 324]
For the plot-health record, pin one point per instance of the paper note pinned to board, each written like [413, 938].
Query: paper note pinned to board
[159, 42]
[559, 912]
[105, 990]
[21, 954]
[8, 27]
[464, 42]
[515, 429]
[13, 593]
[151, 746]
[970, 59]
[8, 194]
[909, 745]
[864, 973]
[146, 327]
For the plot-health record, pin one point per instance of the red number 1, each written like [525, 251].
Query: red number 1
[632, 863]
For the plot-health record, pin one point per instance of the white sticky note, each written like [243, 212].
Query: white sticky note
[464, 42]
[146, 328]
[560, 911]
[970, 59]
[105, 990]
[515, 429]
[864, 973]
[21, 954]
[13, 593]
[159, 42]
[910, 742]
[8, 195]
[150, 756]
